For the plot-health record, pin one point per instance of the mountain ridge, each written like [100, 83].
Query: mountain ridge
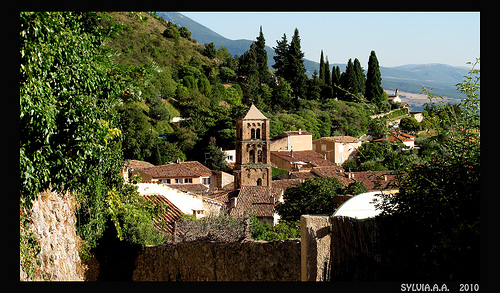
[407, 77]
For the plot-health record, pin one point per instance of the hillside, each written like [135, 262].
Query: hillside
[408, 78]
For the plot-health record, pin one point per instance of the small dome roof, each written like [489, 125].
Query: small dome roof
[361, 206]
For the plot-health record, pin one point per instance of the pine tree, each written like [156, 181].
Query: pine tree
[360, 77]
[296, 71]
[321, 67]
[374, 91]
[281, 55]
[261, 54]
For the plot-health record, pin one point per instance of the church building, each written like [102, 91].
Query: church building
[253, 151]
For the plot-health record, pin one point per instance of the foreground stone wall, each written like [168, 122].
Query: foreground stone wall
[209, 261]
[53, 224]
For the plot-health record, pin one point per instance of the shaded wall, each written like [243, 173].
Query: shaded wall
[209, 261]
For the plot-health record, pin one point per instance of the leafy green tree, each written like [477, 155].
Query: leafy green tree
[349, 81]
[431, 227]
[185, 32]
[158, 110]
[374, 91]
[282, 231]
[409, 124]
[356, 188]
[210, 51]
[172, 31]
[313, 196]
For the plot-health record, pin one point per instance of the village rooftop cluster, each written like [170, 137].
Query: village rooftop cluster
[188, 187]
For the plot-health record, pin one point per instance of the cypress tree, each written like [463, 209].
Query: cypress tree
[327, 72]
[321, 67]
[360, 77]
[261, 54]
[280, 58]
[374, 91]
[296, 71]
[348, 80]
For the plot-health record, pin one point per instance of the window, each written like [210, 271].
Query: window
[188, 180]
[206, 181]
[179, 181]
[341, 147]
[258, 133]
[251, 154]
[259, 182]
[259, 156]
[314, 147]
[341, 160]
[252, 133]
[323, 147]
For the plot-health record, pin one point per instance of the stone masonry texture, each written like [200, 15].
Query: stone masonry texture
[210, 261]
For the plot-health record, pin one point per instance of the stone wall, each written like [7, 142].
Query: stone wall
[53, 224]
[209, 261]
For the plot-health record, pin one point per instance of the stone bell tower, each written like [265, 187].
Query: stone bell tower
[253, 152]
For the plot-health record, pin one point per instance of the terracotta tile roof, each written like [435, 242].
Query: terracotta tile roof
[333, 172]
[254, 200]
[401, 137]
[279, 186]
[339, 138]
[169, 217]
[134, 164]
[377, 179]
[178, 170]
[197, 188]
[315, 159]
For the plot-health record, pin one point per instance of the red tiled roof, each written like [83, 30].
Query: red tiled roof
[340, 138]
[178, 170]
[254, 200]
[137, 164]
[169, 217]
[401, 137]
[197, 188]
[314, 158]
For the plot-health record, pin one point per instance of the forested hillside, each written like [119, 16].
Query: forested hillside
[209, 89]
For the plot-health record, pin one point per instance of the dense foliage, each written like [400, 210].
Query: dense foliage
[313, 196]
[431, 226]
[70, 136]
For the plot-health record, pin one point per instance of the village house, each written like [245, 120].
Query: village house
[178, 203]
[300, 140]
[406, 139]
[394, 98]
[337, 149]
[298, 160]
[189, 176]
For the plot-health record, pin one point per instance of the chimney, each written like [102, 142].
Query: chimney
[300, 131]
[291, 149]
[272, 200]
[385, 177]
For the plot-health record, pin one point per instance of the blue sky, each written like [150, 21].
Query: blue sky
[398, 38]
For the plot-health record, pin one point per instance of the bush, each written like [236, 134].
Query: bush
[220, 227]
[282, 231]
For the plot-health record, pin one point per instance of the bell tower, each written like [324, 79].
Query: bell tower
[253, 152]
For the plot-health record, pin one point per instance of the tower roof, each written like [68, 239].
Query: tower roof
[253, 113]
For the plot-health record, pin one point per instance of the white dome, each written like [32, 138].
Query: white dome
[361, 206]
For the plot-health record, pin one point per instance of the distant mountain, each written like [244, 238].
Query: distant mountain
[409, 78]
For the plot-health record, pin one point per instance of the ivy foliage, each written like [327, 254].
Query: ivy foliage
[70, 139]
